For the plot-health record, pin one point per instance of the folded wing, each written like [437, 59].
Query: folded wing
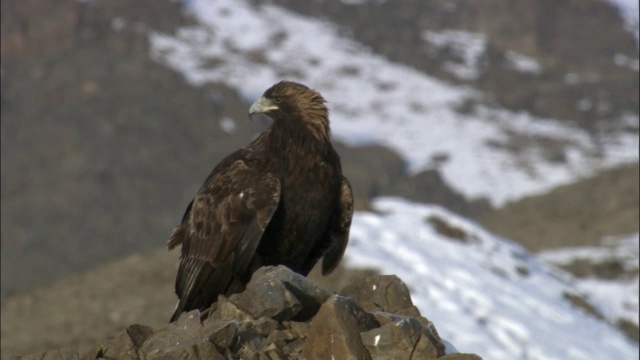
[220, 232]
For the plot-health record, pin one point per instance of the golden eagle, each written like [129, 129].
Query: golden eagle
[281, 200]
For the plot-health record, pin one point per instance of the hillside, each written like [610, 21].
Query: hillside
[580, 214]
[507, 303]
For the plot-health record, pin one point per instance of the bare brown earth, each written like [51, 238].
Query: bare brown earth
[579, 214]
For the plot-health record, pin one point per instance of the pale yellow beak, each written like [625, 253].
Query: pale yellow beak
[261, 106]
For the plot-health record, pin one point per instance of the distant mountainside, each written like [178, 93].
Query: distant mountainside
[583, 50]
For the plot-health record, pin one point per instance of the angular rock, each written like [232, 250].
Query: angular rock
[250, 346]
[293, 349]
[299, 329]
[382, 293]
[335, 330]
[426, 348]
[122, 346]
[395, 340]
[139, 334]
[174, 336]
[263, 326]
[429, 330]
[460, 356]
[182, 339]
[197, 350]
[428, 345]
[226, 310]
[281, 337]
[95, 352]
[274, 354]
[283, 294]
[385, 317]
[221, 334]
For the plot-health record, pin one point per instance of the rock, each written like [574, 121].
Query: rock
[400, 339]
[173, 337]
[382, 293]
[290, 295]
[139, 334]
[263, 326]
[283, 315]
[460, 357]
[432, 334]
[125, 345]
[221, 334]
[95, 352]
[333, 329]
[199, 349]
[226, 310]
[121, 346]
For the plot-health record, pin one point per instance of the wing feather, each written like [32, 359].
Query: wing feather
[221, 231]
[339, 230]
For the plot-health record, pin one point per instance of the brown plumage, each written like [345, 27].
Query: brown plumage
[282, 199]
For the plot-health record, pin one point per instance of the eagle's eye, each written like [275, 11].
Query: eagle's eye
[277, 99]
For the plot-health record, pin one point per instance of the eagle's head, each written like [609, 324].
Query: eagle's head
[288, 101]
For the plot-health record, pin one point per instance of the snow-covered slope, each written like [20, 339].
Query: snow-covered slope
[484, 294]
[375, 100]
[615, 299]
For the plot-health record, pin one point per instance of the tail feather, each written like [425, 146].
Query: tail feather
[179, 310]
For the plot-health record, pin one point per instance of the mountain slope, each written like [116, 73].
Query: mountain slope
[483, 151]
[508, 304]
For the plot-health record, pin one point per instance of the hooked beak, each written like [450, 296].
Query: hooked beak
[262, 106]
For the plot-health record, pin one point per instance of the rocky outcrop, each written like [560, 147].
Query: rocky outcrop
[284, 315]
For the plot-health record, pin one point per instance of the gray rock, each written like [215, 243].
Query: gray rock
[139, 333]
[225, 310]
[183, 339]
[394, 341]
[251, 345]
[222, 334]
[299, 329]
[382, 293]
[333, 330]
[123, 346]
[173, 337]
[283, 294]
[460, 357]
[95, 352]
[263, 326]
[389, 301]
[200, 349]
[429, 330]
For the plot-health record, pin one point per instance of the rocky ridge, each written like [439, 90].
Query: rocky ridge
[283, 315]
